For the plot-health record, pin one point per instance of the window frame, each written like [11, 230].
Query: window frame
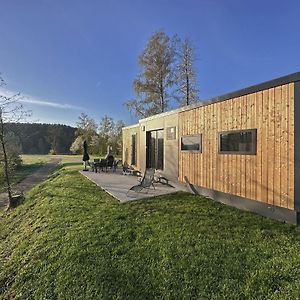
[253, 150]
[199, 135]
[133, 149]
[175, 133]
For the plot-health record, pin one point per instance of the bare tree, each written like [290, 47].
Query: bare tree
[117, 140]
[157, 76]
[106, 127]
[11, 111]
[187, 92]
[99, 137]
[106, 133]
[86, 127]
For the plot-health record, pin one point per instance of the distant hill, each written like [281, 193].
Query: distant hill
[38, 138]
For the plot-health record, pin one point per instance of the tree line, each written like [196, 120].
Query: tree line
[35, 138]
[167, 73]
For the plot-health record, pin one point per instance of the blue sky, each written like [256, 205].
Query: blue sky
[69, 56]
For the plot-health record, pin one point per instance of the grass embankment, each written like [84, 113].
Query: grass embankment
[71, 240]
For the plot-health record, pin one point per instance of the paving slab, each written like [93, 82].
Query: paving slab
[117, 185]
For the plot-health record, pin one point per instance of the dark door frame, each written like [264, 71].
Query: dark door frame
[156, 150]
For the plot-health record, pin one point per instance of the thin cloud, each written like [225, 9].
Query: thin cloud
[24, 98]
[48, 103]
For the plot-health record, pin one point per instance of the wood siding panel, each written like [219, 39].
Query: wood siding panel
[238, 157]
[248, 165]
[277, 151]
[265, 138]
[291, 145]
[267, 176]
[243, 157]
[271, 145]
[283, 148]
[260, 142]
[253, 158]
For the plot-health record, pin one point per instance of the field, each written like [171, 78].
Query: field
[71, 240]
[30, 163]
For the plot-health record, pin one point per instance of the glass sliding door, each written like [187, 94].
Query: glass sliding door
[155, 149]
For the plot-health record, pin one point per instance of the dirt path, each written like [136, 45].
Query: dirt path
[31, 180]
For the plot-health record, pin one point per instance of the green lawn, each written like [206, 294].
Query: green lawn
[71, 240]
[29, 159]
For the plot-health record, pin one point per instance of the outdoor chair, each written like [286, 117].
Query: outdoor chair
[115, 164]
[126, 169]
[129, 170]
[99, 164]
[110, 160]
[93, 164]
[162, 179]
[146, 182]
[102, 164]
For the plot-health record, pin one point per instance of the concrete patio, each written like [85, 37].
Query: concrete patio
[117, 185]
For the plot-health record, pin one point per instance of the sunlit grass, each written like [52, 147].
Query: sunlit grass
[71, 240]
[29, 159]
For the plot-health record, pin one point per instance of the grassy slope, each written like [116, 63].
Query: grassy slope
[70, 240]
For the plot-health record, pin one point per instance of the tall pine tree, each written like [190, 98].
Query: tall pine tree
[187, 92]
[152, 85]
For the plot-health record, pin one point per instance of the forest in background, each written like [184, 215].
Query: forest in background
[35, 138]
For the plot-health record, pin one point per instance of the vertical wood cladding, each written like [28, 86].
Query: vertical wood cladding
[267, 176]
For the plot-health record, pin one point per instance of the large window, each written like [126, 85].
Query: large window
[191, 143]
[237, 142]
[133, 149]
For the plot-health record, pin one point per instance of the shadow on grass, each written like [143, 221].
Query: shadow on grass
[27, 169]
[20, 174]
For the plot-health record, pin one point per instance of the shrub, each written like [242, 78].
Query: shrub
[52, 152]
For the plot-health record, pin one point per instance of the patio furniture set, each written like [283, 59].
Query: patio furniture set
[103, 164]
[145, 182]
